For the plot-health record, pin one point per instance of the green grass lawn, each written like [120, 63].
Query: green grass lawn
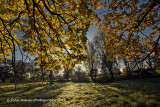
[128, 93]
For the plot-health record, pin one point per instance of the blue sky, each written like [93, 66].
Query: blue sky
[91, 32]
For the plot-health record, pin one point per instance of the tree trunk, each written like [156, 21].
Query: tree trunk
[91, 75]
[3, 80]
[111, 73]
[51, 77]
[43, 79]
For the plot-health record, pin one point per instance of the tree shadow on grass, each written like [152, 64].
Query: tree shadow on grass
[118, 94]
[130, 93]
[146, 86]
[30, 95]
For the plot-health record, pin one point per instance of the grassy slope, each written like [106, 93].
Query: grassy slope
[118, 94]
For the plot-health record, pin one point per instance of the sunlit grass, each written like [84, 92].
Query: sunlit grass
[118, 94]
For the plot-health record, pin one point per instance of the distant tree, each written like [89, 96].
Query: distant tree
[91, 63]
[67, 73]
[127, 70]
[157, 64]
[80, 76]
[106, 64]
[4, 73]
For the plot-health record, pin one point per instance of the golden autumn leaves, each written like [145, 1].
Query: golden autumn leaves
[54, 31]
[130, 26]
